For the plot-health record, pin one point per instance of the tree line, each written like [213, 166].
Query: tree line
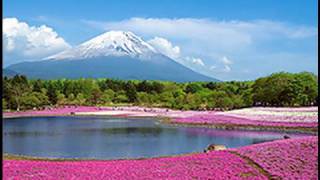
[278, 89]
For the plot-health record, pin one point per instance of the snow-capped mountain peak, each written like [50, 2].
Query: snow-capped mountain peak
[111, 43]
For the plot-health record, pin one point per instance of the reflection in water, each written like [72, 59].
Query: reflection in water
[134, 130]
[257, 141]
[25, 133]
[125, 130]
[111, 138]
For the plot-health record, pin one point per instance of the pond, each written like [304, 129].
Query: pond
[116, 138]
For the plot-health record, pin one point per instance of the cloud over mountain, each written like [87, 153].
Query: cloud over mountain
[165, 47]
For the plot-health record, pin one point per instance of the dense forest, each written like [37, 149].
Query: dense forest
[278, 89]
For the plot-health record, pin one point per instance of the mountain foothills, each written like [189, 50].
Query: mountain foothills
[114, 54]
[279, 89]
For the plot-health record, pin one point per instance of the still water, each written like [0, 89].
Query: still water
[115, 138]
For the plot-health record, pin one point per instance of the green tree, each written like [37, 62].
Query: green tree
[80, 99]
[71, 99]
[121, 97]
[29, 101]
[220, 99]
[157, 87]
[191, 101]
[305, 87]
[95, 96]
[259, 92]
[166, 98]
[61, 99]
[107, 96]
[193, 88]
[4, 104]
[17, 87]
[144, 86]
[144, 98]
[131, 92]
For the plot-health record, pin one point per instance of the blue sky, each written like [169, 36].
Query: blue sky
[230, 40]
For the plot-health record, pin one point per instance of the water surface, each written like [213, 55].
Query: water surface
[114, 138]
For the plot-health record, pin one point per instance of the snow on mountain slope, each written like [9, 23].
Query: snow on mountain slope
[112, 43]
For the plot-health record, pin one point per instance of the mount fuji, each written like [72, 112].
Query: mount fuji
[114, 54]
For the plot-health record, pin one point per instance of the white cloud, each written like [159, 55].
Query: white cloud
[22, 41]
[226, 60]
[196, 61]
[212, 67]
[165, 47]
[226, 68]
[226, 64]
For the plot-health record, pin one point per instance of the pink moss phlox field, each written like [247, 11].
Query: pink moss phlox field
[291, 109]
[305, 114]
[214, 165]
[273, 117]
[288, 159]
[231, 120]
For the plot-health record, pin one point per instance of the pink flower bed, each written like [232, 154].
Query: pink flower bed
[218, 165]
[291, 109]
[306, 114]
[216, 119]
[273, 118]
[286, 159]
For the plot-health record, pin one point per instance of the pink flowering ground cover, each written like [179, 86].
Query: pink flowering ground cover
[306, 117]
[306, 114]
[286, 159]
[291, 109]
[214, 165]
[217, 119]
